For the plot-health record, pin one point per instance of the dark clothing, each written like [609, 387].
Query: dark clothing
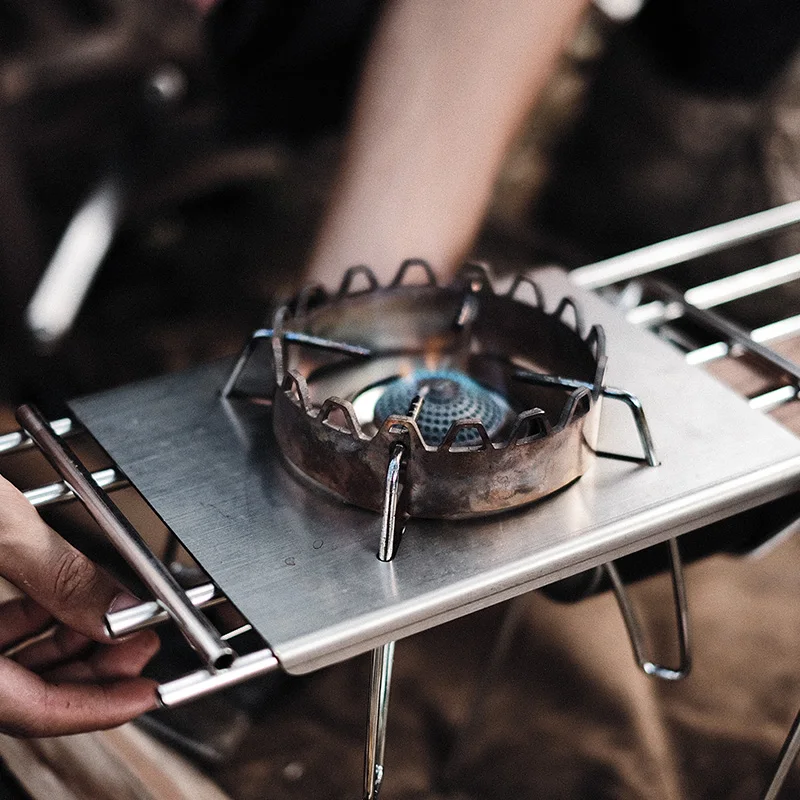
[722, 46]
[290, 67]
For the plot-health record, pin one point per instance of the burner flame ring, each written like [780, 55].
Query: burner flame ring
[475, 469]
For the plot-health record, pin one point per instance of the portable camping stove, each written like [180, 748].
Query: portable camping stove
[443, 406]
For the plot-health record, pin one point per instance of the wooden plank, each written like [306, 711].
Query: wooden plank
[121, 764]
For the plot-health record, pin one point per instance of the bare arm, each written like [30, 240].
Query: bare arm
[445, 87]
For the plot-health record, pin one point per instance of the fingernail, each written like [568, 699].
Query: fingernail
[122, 601]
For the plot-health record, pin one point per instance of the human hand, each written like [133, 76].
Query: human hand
[77, 679]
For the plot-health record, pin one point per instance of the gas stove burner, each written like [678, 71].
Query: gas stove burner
[448, 396]
[439, 384]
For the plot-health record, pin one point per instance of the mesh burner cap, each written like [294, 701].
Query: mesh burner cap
[449, 396]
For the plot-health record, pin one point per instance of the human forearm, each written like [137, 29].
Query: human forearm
[445, 88]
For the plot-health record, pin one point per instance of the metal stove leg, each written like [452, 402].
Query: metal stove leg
[243, 358]
[380, 679]
[392, 522]
[631, 401]
[635, 630]
[387, 546]
[789, 752]
[642, 428]
[379, 685]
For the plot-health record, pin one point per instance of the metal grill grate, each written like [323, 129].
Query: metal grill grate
[760, 363]
[701, 321]
[234, 438]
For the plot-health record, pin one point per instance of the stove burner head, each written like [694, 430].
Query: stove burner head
[448, 396]
[475, 439]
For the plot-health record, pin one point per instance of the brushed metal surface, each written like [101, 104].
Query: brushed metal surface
[301, 566]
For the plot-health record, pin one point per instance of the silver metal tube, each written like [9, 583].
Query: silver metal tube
[146, 615]
[769, 401]
[685, 247]
[713, 321]
[60, 492]
[743, 284]
[246, 628]
[789, 752]
[716, 293]
[374, 753]
[388, 541]
[772, 332]
[197, 630]
[635, 631]
[19, 440]
[205, 682]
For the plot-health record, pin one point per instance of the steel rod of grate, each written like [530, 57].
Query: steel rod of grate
[769, 401]
[789, 753]
[710, 320]
[724, 290]
[631, 401]
[60, 492]
[146, 615]
[19, 440]
[634, 628]
[772, 332]
[685, 247]
[654, 313]
[197, 630]
[204, 682]
[745, 283]
[18, 647]
[242, 629]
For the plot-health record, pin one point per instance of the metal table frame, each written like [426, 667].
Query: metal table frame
[222, 667]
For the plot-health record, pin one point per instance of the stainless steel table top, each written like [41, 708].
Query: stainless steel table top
[302, 566]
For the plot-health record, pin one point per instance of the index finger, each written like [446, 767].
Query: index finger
[32, 706]
[20, 617]
[51, 571]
